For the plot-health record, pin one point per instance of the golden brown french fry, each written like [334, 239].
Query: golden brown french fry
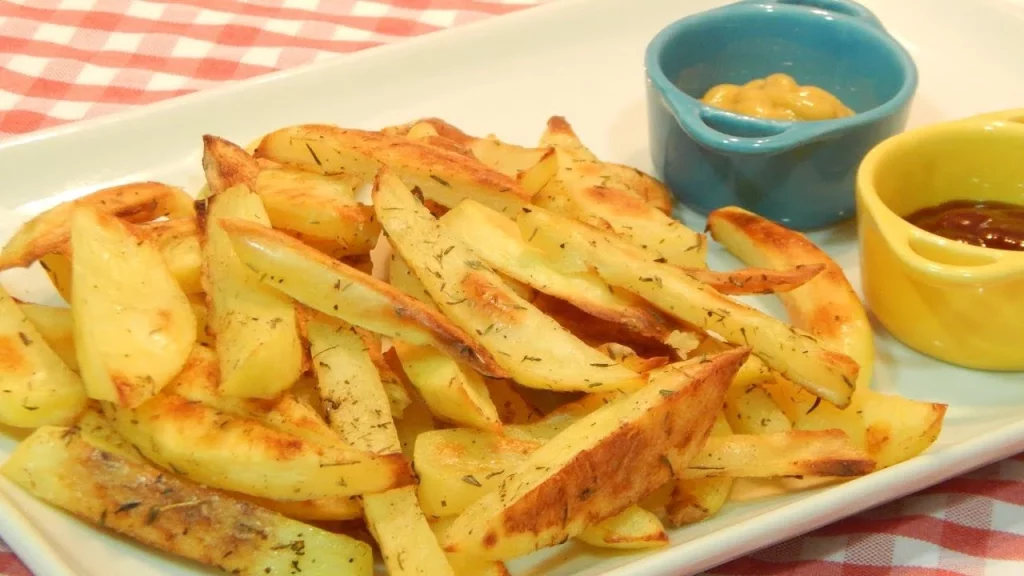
[403, 534]
[36, 387]
[338, 290]
[255, 328]
[453, 392]
[465, 566]
[577, 478]
[50, 231]
[696, 499]
[497, 241]
[133, 325]
[227, 165]
[529, 345]
[750, 409]
[512, 406]
[64, 467]
[559, 134]
[442, 176]
[354, 399]
[803, 358]
[893, 428]
[534, 178]
[55, 325]
[758, 280]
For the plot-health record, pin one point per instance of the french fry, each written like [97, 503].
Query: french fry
[453, 392]
[50, 231]
[530, 346]
[750, 409]
[758, 280]
[893, 429]
[64, 467]
[133, 325]
[696, 499]
[338, 290]
[255, 329]
[497, 241]
[512, 406]
[559, 134]
[803, 358]
[556, 494]
[442, 176]
[227, 165]
[354, 399]
[36, 387]
[465, 566]
[632, 529]
[400, 528]
[56, 327]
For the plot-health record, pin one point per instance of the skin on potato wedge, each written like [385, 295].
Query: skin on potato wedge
[50, 231]
[894, 429]
[245, 455]
[56, 327]
[555, 494]
[529, 345]
[442, 176]
[343, 292]
[800, 356]
[696, 499]
[497, 241]
[453, 392]
[36, 387]
[64, 467]
[133, 325]
[255, 328]
[227, 165]
[401, 530]
[354, 399]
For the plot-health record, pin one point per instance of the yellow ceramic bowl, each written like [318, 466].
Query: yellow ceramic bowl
[959, 303]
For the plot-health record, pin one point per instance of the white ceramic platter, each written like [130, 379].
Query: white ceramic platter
[578, 58]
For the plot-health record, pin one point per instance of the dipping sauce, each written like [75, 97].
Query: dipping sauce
[777, 97]
[996, 225]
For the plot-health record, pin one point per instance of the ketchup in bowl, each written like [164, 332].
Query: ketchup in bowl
[998, 225]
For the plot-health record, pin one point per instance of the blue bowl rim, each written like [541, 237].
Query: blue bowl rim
[783, 135]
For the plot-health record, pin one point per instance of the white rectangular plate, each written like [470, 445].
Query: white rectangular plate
[578, 58]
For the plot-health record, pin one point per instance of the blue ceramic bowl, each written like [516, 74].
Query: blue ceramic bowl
[800, 174]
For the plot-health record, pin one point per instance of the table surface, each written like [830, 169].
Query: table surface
[65, 60]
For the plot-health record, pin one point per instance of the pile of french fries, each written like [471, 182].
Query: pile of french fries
[508, 348]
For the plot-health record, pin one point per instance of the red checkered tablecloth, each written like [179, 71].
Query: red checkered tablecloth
[65, 60]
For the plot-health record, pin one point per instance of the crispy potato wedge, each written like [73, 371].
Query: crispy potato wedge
[133, 325]
[513, 407]
[403, 534]
[50, 231]
[632, 529]
[227, 165]
[530, 346]
[354, 399]
[453, 392]
[758, 280]
[497, 241]
[244, 455]
[341, 291]
[318, 209]
[466, 566]
[442, 176]
[560, 135]
[827, 453]
[177, 240]
[255, 328]
[508, 159]
[64, 467]
[583, 192]
[36, 387]
[894, 429]
[696, 499]
[55, 325]
[198, 382]
[800, 356]
[576, 479]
